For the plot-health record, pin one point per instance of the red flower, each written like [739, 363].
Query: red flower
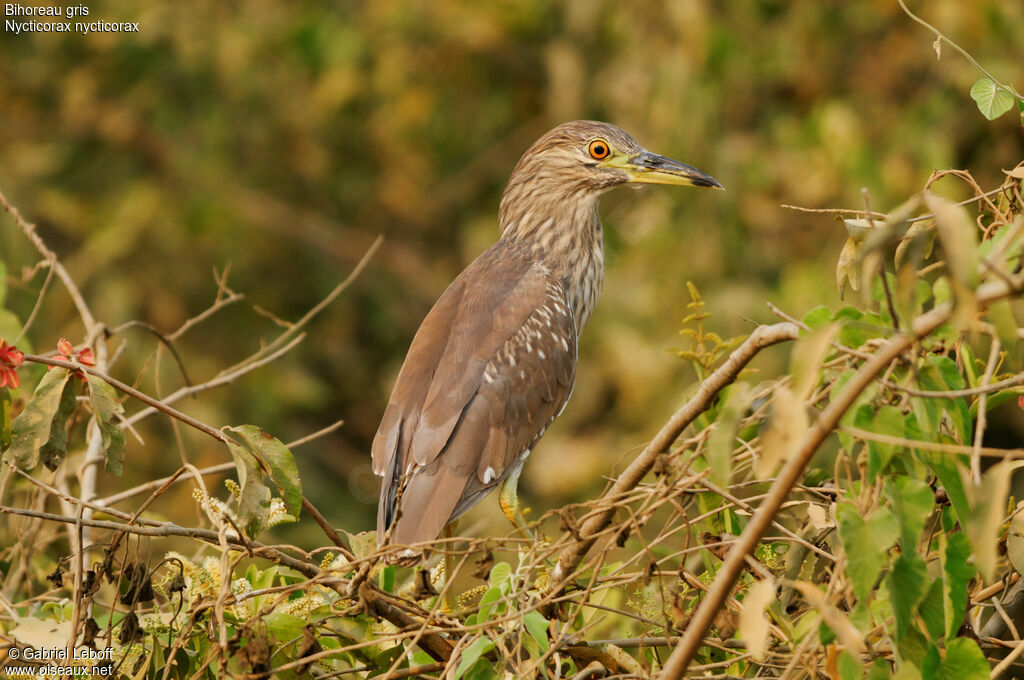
[1020, 401]
[68, 353]
[10, 359]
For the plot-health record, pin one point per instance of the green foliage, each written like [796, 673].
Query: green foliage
[876, 557]
[39, 430]
[706, 347]
[260, 457]
[993, 100]
[107, 410]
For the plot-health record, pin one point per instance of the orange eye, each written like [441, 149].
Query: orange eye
[599, 149]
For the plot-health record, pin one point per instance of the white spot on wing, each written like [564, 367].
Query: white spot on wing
[489, 475]
[541, 354]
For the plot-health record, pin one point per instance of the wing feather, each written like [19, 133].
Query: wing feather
[492, 364]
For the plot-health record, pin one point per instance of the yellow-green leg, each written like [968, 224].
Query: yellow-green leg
[508, 499]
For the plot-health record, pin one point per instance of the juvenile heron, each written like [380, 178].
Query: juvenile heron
[493, 362]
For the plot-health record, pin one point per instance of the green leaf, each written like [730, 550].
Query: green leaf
[276, 457]
[537, 627]
[888, 420]
[964, 660]
[879, 670]
[387, 579]
[907, 583]
[3, 285]
[850, 667]
[817, 317]
[107, 408]
[42, 420]
[932, 610]
[500, 574]
[286, 626]
[956, 574]
[912, 501]
[912, 649]
[993, 101]
[254, 503]
[866, 543]
[487, 604]
[477, 649]
[945, 468]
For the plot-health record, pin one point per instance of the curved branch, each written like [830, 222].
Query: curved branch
[763, 336]
[675, 667]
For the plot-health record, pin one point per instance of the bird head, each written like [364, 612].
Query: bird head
[600, 156]
[572, 164]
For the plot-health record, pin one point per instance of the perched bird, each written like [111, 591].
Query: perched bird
[494, 360]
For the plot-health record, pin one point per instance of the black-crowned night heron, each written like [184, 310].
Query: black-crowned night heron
[494, 361]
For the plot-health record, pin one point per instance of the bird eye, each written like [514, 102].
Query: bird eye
[599, 149]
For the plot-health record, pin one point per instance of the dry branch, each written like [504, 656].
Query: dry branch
[675, 667]
[763, 336]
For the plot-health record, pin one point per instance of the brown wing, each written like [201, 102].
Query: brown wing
[490, 367]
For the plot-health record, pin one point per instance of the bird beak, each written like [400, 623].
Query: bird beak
[650, 168]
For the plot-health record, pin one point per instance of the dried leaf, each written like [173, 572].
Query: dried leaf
[846, 268]
[754, 623]
[786, 429]
[41, 633]
[130, 631]
[818, 517]
[107, 410]
[36, 426]
[808, 354]
[988, 507]
[424, 588]
[847, 633]
[959, 237]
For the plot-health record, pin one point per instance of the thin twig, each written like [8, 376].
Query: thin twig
[675, 667]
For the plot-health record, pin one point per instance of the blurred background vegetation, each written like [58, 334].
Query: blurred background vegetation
[281, 138]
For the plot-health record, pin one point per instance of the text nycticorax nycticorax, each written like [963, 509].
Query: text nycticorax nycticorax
[493, 362]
